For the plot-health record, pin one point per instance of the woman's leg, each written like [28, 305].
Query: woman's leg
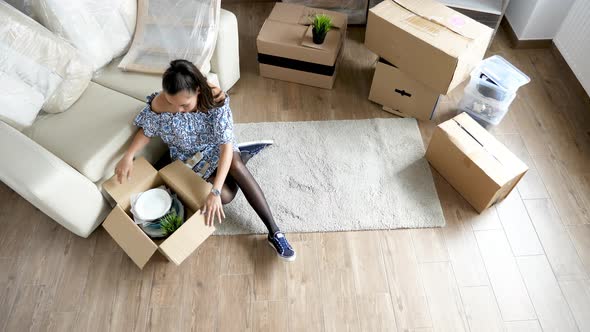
[230, 187]
[240, 175]
[228, 190]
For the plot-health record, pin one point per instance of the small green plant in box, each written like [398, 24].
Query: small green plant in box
[321, 23]
[170, 223]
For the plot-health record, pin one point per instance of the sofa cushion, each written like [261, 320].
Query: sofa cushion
[136, 85]
[101, 30]
[36, 57]
[94, 133]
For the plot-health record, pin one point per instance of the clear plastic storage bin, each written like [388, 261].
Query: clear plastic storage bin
[491, 90]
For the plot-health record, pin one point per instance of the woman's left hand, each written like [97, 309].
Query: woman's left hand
[214, 208]
[218, 95]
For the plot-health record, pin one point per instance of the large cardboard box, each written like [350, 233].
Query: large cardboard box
[191, 190]
[427, 40]
[477, 165]
[286, 50]
[400, 94]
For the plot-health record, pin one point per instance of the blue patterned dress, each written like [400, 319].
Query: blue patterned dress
[191, 133]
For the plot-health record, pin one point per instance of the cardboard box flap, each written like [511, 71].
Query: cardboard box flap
[191, 189]
[442, 15]
[185, 240]
[143, 177]
[129, 237]
[287, 12]
[483, 150]
[495, 147]
[298, 14]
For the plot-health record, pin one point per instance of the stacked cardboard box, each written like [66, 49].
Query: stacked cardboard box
[286, 50]
[426, 49]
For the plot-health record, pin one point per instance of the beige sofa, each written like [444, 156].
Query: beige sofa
[60, 161]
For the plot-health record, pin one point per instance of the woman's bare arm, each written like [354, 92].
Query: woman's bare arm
[124, 167]
[138, 143]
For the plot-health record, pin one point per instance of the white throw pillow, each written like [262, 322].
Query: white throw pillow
[20, 102]
[101, 30]
[45, 63]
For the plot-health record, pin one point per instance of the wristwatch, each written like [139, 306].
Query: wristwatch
[215, 192]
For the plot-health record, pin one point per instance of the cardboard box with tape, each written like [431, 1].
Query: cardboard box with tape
[400, 94]
[427, 41]
[286, 50]
[191, 190]
[475, 163]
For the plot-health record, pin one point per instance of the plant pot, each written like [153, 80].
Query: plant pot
[318, 38]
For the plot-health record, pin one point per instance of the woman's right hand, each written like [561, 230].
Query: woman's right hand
[124, 168]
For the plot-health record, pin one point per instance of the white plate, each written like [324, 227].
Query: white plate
[152, 204]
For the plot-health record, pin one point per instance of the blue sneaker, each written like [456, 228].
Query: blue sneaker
[280, 244]
[250, 149]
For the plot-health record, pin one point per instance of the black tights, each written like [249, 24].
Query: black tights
[239, 177]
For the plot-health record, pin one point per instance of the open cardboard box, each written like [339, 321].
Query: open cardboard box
[474, 162]
[286, 50]
[192, 192]
[427, 40]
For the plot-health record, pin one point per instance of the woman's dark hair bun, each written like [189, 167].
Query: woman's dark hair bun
[183, 75]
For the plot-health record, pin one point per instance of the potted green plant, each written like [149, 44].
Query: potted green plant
[321, 23]
[170, 223]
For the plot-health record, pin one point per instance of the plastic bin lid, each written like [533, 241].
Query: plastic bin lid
[503, 73]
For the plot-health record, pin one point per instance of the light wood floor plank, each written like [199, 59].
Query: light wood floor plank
[577, 294]
[429, 244]
[523, 326]
[95, 310]
[74, 273]
[376, 312]
[511, 294]
[26, 303]
[237, 254]
[205, 282]
[304, 288]
[460, 239]
[61, 321]
[551, 307]
[335, 264]
[443, 296]
[518, 226]
[405, 282]
[558, 246]
[367, 263]
[481, 309]
[568, 202]
[340, 313]
[270, 316]
[580, 235]
[234, 310]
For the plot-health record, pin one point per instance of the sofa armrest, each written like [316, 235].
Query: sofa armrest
[225, 61]
[49, 183]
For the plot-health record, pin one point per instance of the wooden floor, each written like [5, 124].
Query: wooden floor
[520, 266]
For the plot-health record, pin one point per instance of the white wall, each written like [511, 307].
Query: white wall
[537, 19]
[573, 41]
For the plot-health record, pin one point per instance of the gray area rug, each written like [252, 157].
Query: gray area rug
[325, 176]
